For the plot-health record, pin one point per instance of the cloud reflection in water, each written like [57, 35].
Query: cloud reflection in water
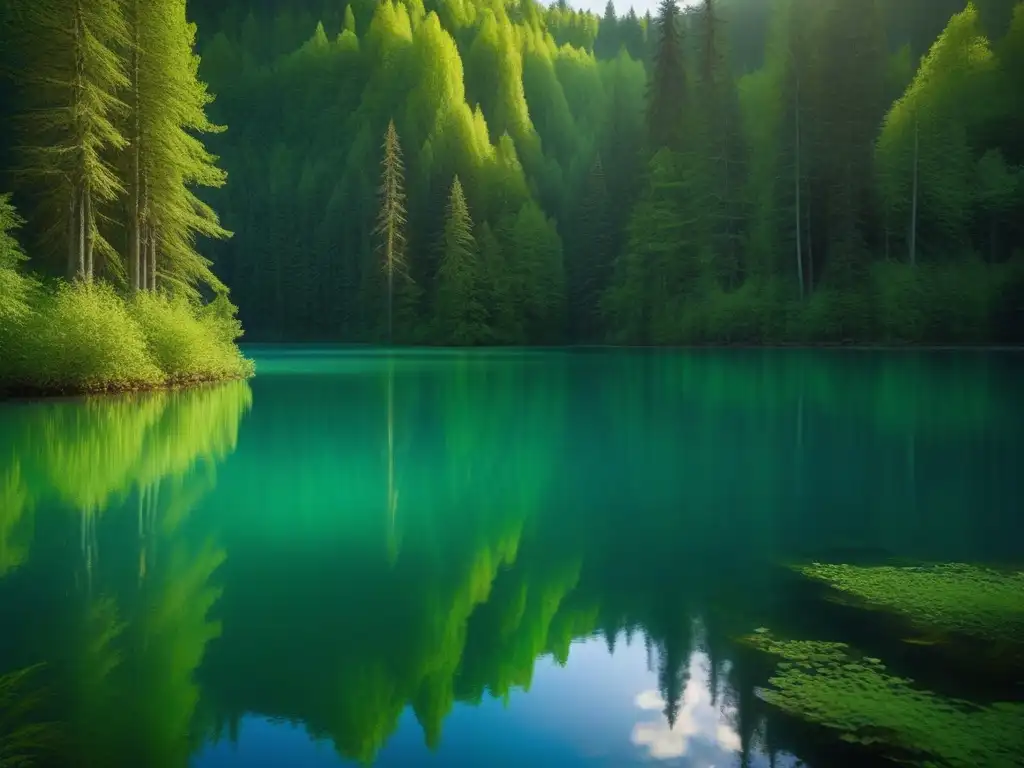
[699, 721]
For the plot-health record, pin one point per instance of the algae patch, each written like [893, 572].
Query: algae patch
[950, 598]
[829, 684]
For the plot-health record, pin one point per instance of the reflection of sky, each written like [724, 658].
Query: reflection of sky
[598, 710]
[702, 732]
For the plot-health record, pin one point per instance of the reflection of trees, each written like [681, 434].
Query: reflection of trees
[121, 649]
[24, 739]
[498, 566]
[16, 519]
[89, 454]
[488, 563]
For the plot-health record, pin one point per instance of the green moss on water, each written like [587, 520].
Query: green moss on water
[951, 598]
[855, 697]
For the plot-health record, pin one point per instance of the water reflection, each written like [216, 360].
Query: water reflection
[699, 726]
[472, 559]
[119, 611]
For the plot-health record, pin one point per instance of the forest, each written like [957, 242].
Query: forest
[722, 172]
[486, 172]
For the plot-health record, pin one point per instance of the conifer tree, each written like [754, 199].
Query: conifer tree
[588, 268]
[607, 43]
[460, 315]
[390, 231]
[168, 106]
[666, 93]
[69, 74]
[504, 324]
[720, 187]
[14, 286]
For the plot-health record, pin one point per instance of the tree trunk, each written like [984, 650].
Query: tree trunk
[796, 185]
[135, 225]
[152, 259]
[76, 246]
[90, 234]
[72, 269]
[810, 252]
[80, 235]
[143, 250]
[913, 204]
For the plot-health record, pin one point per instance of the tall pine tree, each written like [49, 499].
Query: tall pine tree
[390, 231]
[69, 75]
[666, 95]
[169, 104]
[460, 315]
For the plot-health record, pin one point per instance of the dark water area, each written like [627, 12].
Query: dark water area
[489, 558]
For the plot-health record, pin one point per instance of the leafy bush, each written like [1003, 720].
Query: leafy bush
[87, 338]
[80, 337]
[188, 343]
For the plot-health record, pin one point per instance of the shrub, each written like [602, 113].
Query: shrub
[187, 342]
[79, 337]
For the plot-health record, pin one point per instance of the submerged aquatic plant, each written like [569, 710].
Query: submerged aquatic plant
[954, 597]
[857, 698]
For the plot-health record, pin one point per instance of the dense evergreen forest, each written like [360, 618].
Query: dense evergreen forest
[101, 108]
[739, 170]
[492, 172]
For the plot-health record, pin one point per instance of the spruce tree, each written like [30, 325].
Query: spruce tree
[502, 320]
[666, 95]
[168, 107]
[722, 175]
[460, 315]
[14, 286]
[69, 74]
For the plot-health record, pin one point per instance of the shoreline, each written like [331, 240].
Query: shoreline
[859, 345]
[10, 392]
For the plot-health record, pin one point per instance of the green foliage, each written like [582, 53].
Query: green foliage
[926, 136]
[858, 699]
[949, 598]
[81, 337]
[460, 312]
[767, 219]
[667, 97]
[935, 303]
[70, 73]
[15, 288]
[16, 518]
[187, 343]
[403, 294]
[537, 273]
[85, 337]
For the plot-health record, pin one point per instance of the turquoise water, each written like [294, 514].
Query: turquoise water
[489, 558]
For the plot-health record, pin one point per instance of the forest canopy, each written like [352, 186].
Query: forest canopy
[503, 172]
[726, 171]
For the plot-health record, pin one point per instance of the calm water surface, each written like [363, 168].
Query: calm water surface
[481, 559]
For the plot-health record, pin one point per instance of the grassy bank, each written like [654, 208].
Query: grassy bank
[86, 336]
[78, 338]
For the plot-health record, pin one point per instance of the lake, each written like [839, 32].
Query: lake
[509, 558]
